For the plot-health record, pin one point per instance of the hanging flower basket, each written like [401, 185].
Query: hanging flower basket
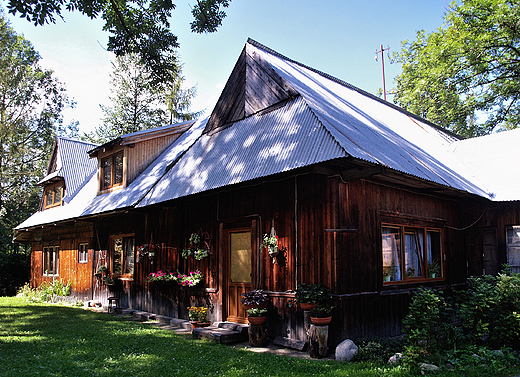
[271, 244]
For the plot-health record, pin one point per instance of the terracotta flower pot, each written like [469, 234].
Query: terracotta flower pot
[307, 305]
[256, 320]
[194, 324]
[321, 321]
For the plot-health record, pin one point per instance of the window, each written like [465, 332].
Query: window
[513, 247]
[112, 171]
[50, 260]
[83, 253]
[122, 255]
[411, 253]
[53, 196]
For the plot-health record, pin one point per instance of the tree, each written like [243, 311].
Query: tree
[31, 102]
[139, 102]
[178, 100]
[465, 76]
[137, 26]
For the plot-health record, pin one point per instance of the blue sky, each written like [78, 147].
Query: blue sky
[336, 37]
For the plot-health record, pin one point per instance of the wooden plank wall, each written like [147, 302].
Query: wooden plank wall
[303, 208]
[68, 240]
[143, 153]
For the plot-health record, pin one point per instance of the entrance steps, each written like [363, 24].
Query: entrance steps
[223, 332]
[220, 332]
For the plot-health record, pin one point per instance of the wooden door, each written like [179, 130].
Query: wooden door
[239, 274]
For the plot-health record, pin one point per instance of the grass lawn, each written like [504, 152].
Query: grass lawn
[52, 340]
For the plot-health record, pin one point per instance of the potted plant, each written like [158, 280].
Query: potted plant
[389, 272]
[308, 296]
[321, 314]
[271, 244]
[256, 316]
[254, 299]
[110, 279]
[434, 269]
[102, 270]
[198, 316]
[198, 248]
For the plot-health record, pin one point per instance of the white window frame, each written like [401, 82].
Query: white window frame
[83, 252]
[513, 247]
[51, 256]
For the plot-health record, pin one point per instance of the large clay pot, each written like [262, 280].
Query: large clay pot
[321, 321]
[256, 320]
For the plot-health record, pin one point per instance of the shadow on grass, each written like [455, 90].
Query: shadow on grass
[65, 341]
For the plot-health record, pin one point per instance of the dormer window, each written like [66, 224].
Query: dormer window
[53, 195]
[112, 171]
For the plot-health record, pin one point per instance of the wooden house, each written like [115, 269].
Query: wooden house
[365, 198]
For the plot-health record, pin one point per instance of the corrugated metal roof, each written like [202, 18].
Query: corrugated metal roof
[76, 166]
[130, 195]
[87, 202]
[258, 146]
[491, 161]
[329, 119]
[371, 129]
[349, 123]
[72, 164]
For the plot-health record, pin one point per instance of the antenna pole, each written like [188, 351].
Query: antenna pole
[383, 67]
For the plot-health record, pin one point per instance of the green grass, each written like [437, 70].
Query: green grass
[53, 340]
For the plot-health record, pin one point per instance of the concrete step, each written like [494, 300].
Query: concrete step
[223, 332]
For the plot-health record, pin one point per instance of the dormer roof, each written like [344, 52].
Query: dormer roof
[70, 162]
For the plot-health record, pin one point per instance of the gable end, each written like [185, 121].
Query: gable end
[253, 86]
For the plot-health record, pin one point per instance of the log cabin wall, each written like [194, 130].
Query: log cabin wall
[489, 236]
[366, 308]
[68, 239]
[329, 232]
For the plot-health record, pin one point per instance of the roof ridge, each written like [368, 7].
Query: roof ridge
[350, 86]
[75, 140]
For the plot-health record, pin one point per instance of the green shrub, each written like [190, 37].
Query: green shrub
[489, 310]
[475, 308]
[506, 324]
[378, 350]
[46, 291]
[428, 325]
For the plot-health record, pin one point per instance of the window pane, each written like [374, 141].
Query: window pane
[56, 261]
[434, 252]
[57, 195]
[513, 248]
[391, 251]
[413, 250]
[240, 254]
[83, 253]
[118, 169]
[106, 167]
[129, 255]
[45, 262]
[116, 255]
[49, 198]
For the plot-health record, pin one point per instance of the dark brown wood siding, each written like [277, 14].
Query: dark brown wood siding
[329, 232]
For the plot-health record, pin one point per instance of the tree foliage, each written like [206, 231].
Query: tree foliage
[136, 26]
[465, 76]
[31, 101]
[140, 103]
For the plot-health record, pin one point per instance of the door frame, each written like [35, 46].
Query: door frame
[225, 228]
